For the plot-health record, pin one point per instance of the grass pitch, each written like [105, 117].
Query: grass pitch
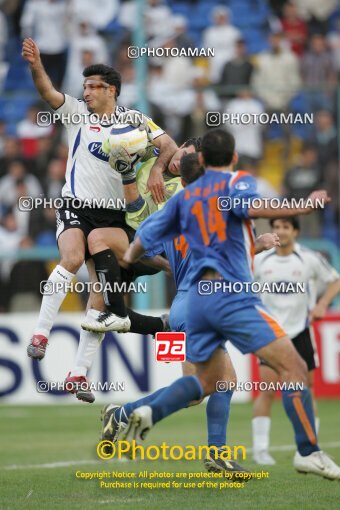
[43, 447]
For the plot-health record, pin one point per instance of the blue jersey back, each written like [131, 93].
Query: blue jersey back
[177, 252]
[179, 257]
[220, 239]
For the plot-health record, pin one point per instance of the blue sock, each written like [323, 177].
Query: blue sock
[218, 408]
[176, 396]
[299, 408]
[123, 413]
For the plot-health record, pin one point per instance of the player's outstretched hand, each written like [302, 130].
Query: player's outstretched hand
[155, 185]
[319, 197]
[30, 51]
[266, 242]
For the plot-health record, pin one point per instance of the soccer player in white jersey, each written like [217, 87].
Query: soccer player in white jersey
[88, 177]
[290, 264]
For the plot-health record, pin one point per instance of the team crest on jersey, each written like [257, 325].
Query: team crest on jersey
[241, 185]
[170, 188]
[95, 149]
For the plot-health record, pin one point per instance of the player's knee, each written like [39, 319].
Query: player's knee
[96, 241]
[72, 261]
[297, 370]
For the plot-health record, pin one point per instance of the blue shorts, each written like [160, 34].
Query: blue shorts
[240, 318]
[178, 311]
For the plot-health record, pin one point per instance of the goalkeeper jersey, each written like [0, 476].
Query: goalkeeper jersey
[172, 186]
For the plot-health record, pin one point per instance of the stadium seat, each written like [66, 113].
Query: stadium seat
[256, 40]
[13, 107]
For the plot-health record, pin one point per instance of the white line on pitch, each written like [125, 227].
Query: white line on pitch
[67, 463]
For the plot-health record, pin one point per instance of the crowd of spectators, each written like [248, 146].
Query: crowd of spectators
[272, 56]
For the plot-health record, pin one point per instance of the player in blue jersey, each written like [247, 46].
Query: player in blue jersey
[218, 406]
[220, 235]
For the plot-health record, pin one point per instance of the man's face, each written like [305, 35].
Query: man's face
[286, 232]
[176, 158]
[97, 94]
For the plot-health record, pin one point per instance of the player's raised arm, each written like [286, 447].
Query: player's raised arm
[313, 202]
[167, 148]
[44, 86]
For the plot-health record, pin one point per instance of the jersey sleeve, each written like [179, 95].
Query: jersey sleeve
[154, 130]
[322, 272]
[161, 226]
[242, 190]
[71, 106]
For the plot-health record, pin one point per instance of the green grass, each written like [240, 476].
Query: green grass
[50, 434]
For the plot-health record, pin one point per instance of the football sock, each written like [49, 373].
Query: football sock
[108, 273]
[144, 324]
[52, 302]
[261, 431]
[89, 343]
[217, 411]
[299, 408]
[175, 397]
[123, 413]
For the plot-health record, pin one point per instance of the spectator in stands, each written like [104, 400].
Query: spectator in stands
[248, 135]
[316, 13]
[55, 178]
[181, 38]
[235, 73]
[129, 94]
[86, 40]
[11, 239]
[333, 39]
[206, 100]
[305, 177]
[276, 78]
[294, 28]
[18, 277]
[300, 181]
[100, 14]
[47, 20]
[319, 74]
[222, 36]
[11, 150]
[8, 184]
[326, 144]
[157, 19]
[127, 15]
[29, 131]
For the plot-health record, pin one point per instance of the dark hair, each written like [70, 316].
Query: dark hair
[218, 147]
[109, 75]
[293, 220]
[190, 168]
[196, 142]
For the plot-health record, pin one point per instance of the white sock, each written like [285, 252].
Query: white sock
[51, 303]
[261, 430]
[88, 346]
[317, 425]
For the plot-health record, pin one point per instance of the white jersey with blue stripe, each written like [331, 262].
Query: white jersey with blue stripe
[291, 309]
[88, 173]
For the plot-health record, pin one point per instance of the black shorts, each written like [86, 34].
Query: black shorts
[88, 219]
[305, 346]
